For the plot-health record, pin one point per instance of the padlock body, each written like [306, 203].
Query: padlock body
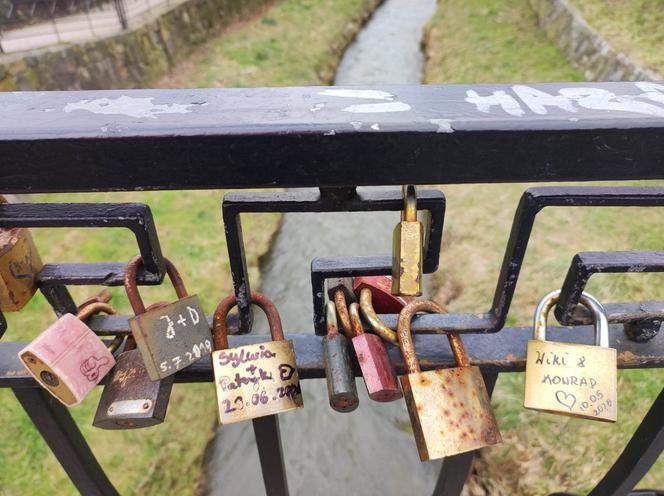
[407, 243]
[172, 337]
[19, 265]
[382, 299]
[450, 411]
[256, 380]
[377, 369]
[131, 400]
[67, 359]
[341, 389]
[572, 379]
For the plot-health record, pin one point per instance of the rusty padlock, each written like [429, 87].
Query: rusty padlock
[344, 284]
[19, 265]
[380, 293]
[577, 380]
[378, 371]
[254, 380]
[408, 248]
[130, 399]
[68, 359]
[341, 388]
[169, 337]
[449, 409]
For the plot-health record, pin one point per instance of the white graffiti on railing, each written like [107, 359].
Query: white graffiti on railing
[571, 99]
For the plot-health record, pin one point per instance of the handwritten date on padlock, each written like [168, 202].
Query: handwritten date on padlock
[172, 337]
[571, 379]
[256, 380]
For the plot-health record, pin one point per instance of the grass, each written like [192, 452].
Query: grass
[279, 46]
[633, 27]
[499, 41]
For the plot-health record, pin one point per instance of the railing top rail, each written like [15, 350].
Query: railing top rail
[324, 136]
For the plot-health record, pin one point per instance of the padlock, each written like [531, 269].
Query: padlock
[380, 293]
[169, 337]
[407, 248]
[449, 409]
[68, 359]
[130, 399]
[370, 289]
[577, 380]
[378, 371]
[341, 388]
[19, 265]
[254, 380]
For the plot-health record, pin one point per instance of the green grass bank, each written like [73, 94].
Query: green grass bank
[499, 41]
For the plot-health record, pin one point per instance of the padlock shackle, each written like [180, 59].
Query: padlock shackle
[355, 320]
[405, 337]
[587, 300]
[409, 213]
[342, 311]
[131, 286]
[220, 329]
[378, 326]
[94, 306]
[331, 319]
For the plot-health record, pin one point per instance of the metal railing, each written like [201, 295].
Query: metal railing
[336, 139]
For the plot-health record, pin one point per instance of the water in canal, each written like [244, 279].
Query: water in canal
[371, 450]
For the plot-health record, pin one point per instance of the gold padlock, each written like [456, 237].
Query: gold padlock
[258, 379]
[577, 380]
[19, 266]
[407, 248]
[449, 409]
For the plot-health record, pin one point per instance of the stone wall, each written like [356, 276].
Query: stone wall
[584, 47]
[130, 59]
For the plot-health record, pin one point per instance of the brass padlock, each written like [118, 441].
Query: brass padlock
[169, 337]
[254, 380]
[449, 409]
[68, 359]
[19, 265]
[578, 380]
[130, 399]
[407, 248]
[341, 389]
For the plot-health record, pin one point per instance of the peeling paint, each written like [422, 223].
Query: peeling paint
[356, 125]
[444, 125]
[129, 106]
[375, 127]
[330, 133]
[317, 107]
[351, 93]
[373, 108]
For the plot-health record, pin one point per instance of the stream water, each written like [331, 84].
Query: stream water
[370, 451]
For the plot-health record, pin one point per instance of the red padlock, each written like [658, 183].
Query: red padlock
[377, 369]
[381, 293]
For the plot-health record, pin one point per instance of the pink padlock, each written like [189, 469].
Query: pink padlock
[68, 359]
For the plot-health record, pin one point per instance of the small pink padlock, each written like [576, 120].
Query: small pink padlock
[68, 359]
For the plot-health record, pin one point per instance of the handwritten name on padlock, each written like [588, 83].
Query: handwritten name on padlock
[571, 379]
[256, 380]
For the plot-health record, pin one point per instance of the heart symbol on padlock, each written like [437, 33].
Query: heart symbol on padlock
[566, 399]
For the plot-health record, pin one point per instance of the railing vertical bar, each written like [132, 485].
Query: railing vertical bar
[60, 432]
[271, 454]
[455, 469]
[238, 263]
[639, 455]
